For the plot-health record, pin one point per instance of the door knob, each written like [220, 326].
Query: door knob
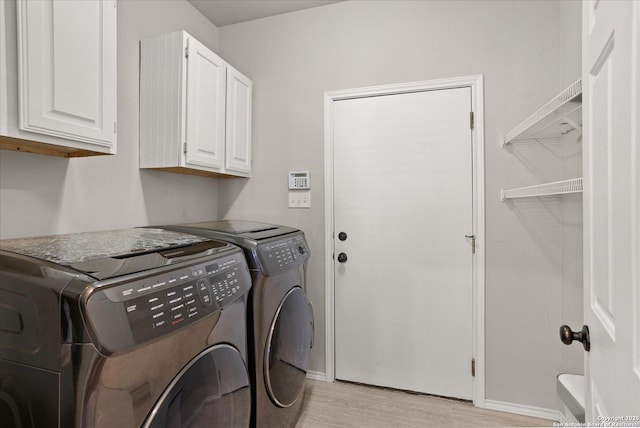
[568, 336]
[342, 236]
[342, 257]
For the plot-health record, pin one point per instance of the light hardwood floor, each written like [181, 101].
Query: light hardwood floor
[343, 404]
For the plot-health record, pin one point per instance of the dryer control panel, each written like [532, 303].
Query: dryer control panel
[125, 314]
[282, 254]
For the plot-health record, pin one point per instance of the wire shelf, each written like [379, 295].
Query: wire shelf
[560, 115]
[562, 187]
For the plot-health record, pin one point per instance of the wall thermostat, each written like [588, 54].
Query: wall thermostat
[299, 180]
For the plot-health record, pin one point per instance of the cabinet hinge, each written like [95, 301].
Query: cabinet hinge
[184, 148]
[471, 120]
[473, 242]
[186, 52]
[473, 367]
[115, 127]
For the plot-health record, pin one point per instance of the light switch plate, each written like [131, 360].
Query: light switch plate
[300, 199]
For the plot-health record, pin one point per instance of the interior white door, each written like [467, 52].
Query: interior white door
[611, 210]
[403, 197]
[205, 115]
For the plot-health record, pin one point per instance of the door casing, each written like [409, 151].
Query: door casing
[476, 83]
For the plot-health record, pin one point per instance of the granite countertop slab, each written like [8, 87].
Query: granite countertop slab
[80, 247]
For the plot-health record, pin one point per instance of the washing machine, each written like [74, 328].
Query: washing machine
[128, 328]
[280, 315]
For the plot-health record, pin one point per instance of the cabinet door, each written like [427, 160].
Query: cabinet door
[239, 91]
[205, 115]
[67, 69]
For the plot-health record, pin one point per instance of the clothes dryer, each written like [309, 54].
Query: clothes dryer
[127, 328]
[280, 315]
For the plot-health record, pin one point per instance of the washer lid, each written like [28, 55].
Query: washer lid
[245, 229]
[112, 253]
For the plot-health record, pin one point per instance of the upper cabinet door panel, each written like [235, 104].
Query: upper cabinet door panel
[67, 67]
[239, 93]
[206, 74]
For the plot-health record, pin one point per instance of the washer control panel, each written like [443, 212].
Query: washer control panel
[130, 313]
[287, 253]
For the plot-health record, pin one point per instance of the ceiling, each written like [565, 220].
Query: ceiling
[227, 12]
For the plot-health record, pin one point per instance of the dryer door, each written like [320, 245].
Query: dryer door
[288, 349]
[212, 390]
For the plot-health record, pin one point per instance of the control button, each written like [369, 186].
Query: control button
[158, 306]
[131, 308]
[175, 308]
[204, 291]
[159, 323]
[179, 317]
[157, 315]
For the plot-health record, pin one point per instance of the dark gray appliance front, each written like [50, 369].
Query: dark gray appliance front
[280, 315]
[160, 343]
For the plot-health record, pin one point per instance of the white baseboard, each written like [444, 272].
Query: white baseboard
[317, 375]
[520, 409]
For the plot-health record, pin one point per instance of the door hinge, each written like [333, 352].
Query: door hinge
[186, 51]
[184, 148]
[473, 242]
[473, 367]
[471, 120]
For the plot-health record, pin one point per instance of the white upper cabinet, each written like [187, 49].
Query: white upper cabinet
[195, 109]
[59, 77]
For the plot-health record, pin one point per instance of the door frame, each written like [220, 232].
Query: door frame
[476, 84]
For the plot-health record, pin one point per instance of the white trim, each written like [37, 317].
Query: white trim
[520, 409]
[317, 376]
[329, 281]
[562, 419]
[476, 84]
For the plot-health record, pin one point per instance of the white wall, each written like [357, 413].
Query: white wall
[519, 48]
[572, 260]
[42, 195]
